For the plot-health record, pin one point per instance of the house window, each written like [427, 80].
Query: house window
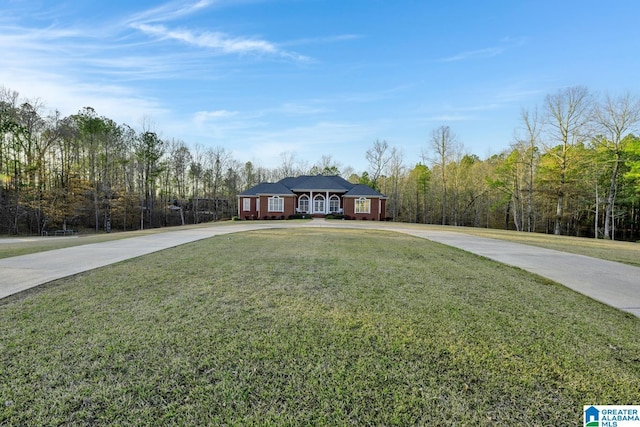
[276, 204]
[363, 205]
[334, 204]
[303, 204]
[246, 204]
[318, 203]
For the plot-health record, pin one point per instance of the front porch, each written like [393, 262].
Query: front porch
[319, 205]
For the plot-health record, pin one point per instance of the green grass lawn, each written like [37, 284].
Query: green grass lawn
[311, 327]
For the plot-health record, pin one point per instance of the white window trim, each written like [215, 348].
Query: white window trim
[338, 208]
[317, 198]
[356, 206]
[303, 197]
[271, 207]
[246, 204]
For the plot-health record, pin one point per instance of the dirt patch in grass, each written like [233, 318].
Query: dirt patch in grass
[311, 327]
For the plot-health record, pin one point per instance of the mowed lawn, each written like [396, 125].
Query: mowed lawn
[311, 327]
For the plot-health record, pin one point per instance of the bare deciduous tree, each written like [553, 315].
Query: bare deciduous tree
[290, 166]
[378, 159]
[396, 170]
[445, 147]
[614, 118]
[528, 148]
[326, 166]
[567, 118]
[217, 161]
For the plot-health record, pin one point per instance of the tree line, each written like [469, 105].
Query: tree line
[573, 168]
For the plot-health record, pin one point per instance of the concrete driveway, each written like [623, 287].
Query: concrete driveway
[615, 284]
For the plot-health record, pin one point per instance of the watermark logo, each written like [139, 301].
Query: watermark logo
[591, 416]
[612, 416]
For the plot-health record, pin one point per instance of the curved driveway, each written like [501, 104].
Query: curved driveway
[612, 283]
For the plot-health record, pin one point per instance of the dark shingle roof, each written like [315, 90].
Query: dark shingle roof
[333, 183]
[360, 190]
[321, 183]
[292, 181]
[267, 188]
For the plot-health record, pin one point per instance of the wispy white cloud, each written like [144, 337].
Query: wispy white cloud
[216, 41]
[148, 23]
[299, 109]
[516, 41]
[449, 118]
[506, 43]
[322, 40]
[69, 64]
[17, 36]
[309, 141]
[68, 95]
[204, 116]
[474, 54]
[58, 65]
[170, 11]
[262, 140]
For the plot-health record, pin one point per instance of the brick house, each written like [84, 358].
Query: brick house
[316, 196]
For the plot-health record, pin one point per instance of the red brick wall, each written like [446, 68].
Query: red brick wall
[250, 214]
[289, 208]
[350, 207]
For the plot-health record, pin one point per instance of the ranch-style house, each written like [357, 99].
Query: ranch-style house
[316, 196]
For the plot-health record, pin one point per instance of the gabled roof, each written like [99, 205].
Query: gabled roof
[274, 188]
[361, 190]
[291, 181]
[334, 183]
[320, 183]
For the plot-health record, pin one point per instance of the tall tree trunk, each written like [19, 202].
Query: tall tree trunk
[530, 201]
[567, 118]
[611, 197]
[559, 211]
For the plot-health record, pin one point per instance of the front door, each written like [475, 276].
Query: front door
[318, 204]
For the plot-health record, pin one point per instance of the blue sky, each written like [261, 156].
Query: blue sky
[316, 77]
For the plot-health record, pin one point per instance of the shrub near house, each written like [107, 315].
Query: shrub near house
[318, 196]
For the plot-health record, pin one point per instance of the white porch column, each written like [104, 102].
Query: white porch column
[326, 204]
[311, 207]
